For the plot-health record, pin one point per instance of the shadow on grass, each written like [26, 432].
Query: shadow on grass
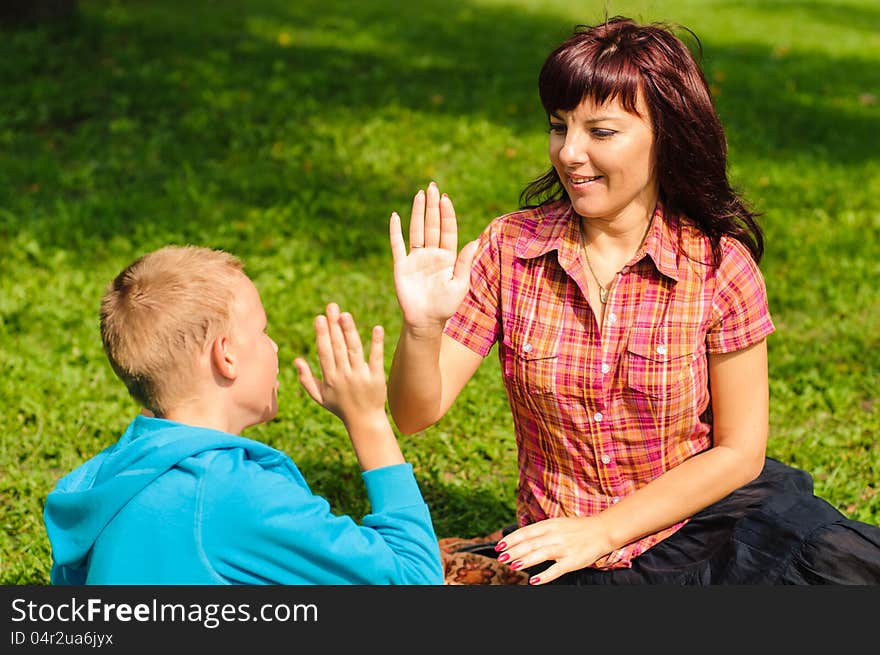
[456, 511]
[154, 123]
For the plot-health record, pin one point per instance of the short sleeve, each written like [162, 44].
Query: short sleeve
[476, 323]
[740, 311]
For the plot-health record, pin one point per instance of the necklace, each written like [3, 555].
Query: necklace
[603, 291]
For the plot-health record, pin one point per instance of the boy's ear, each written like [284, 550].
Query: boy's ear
[223, 358]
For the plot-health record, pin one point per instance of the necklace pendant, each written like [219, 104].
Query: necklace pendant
[603, 295]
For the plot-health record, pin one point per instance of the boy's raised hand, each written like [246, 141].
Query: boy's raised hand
[432, 280]
[351, 387]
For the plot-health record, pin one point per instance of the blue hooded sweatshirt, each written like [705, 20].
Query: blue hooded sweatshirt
[172, 504]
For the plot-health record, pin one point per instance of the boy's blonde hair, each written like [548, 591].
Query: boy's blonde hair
[159, 314]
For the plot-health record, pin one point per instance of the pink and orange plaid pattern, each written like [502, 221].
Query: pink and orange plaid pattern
[601, 411]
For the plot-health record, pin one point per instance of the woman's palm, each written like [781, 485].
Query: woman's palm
[432, 279]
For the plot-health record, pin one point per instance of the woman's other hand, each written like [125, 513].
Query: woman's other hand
[569, 544]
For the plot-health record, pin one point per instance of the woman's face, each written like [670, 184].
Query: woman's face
[604, 157]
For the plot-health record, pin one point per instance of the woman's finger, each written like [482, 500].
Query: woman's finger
[432, 217]
[448, 225]
[417, 221]
[395, 237]
[547, 575]
[464, 261]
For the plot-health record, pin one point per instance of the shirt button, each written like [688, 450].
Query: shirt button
[598, 417]
[606, 459]
[615, 500]
[605, 368]
[661, 349]
[612, 318]
[527, 348]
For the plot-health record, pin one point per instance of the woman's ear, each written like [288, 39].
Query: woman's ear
[223, 358]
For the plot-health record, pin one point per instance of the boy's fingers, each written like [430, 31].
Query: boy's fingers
[417, 221]
[337, 339]
[432, 216]
[352, 340]
[448, 226]
[308, 381]
[325, 348]
[377, 351]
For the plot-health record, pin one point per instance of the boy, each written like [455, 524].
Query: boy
[181, 498]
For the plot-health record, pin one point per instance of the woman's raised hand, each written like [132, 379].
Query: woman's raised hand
[432, 279]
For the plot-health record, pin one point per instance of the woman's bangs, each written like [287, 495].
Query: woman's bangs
[566, 81]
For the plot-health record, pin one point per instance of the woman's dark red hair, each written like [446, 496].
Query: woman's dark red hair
[619, 59]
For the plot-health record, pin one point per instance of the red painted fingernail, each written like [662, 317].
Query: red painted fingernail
[500, 546]
[503, 557]
[534, 580]
[517, 564]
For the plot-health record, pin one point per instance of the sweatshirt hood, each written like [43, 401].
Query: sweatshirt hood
[85, 500]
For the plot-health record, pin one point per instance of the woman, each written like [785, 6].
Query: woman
[631, 319]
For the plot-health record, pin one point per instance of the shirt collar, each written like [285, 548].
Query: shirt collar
[557, 230]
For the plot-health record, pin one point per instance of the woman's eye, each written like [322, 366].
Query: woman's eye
[557, 128]
[599, 133]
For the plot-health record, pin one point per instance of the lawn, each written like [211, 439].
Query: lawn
[288, 132]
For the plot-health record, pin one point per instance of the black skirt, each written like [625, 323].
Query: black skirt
[772, 531]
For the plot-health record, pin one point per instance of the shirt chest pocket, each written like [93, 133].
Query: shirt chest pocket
[657, 368]
[530, 362]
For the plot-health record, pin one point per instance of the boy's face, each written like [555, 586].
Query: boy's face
[257, 382]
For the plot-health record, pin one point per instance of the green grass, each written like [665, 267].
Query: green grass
[288, 132]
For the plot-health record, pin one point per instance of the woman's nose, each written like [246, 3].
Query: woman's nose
[573, 150]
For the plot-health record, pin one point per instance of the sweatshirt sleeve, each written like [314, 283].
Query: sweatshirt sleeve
[265, 526]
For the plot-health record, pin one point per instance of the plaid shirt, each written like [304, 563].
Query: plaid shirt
[600, 412]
